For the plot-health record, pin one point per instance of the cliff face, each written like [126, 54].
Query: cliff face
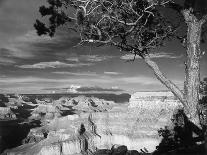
[154, 100]
[134, 125]
[133, 128]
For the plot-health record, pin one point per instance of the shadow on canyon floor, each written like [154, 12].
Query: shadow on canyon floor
[12, 133]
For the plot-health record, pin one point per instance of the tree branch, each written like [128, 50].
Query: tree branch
[169, 84]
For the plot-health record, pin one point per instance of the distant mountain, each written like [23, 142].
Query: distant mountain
[117, 98]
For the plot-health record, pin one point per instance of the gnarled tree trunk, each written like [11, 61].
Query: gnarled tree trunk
[190, 97]
[192, 70]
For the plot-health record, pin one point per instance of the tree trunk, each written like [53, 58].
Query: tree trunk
[190, 97]
[192, 66]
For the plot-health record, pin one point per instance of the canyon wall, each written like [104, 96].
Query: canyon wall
[134, 125]
[154, 100]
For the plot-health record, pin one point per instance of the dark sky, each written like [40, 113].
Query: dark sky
[32, 64]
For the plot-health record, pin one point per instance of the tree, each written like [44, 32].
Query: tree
[137, 27]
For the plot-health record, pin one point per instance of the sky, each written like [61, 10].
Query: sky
[33, 64]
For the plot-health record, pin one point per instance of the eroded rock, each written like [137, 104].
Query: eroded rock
[134, 127]
[6, 113]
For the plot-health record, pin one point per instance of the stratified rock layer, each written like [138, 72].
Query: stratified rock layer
[135, 126]
[154, 100]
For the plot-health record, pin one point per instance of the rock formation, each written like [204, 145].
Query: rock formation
[134, 125]
[6, 114]
[154, 100]
[45, 112]
[35, 135]
[91, 104]
[15, 101]
[104, 129]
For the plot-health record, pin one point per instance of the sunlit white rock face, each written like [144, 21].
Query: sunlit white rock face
[154, 100]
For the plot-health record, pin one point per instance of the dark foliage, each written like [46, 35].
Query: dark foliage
[199, 7]
[41, 28]
[180, 136]
[3, 100]
[203, 104]
[203, 112]
[82, 129]
[203, 87]
[57, 17]
[136, 26]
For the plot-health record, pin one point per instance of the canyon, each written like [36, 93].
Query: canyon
[134, 124]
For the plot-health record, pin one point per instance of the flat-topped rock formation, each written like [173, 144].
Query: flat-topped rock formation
[144, 94]
[154, 100]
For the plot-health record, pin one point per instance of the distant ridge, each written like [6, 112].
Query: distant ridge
[117, 98]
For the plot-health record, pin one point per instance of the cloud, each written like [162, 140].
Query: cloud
[32, 37]
[76, 73]
[152, 55]
[30, 45]
[23, 45]
[74, 59]
[1, 1]
[6, 61]
[28, 84]
[146, 81]
[54, 64]
[113, 73]
[89, 58]
[143, 80]
[95, 58]
[6, 57]
[86, 73]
